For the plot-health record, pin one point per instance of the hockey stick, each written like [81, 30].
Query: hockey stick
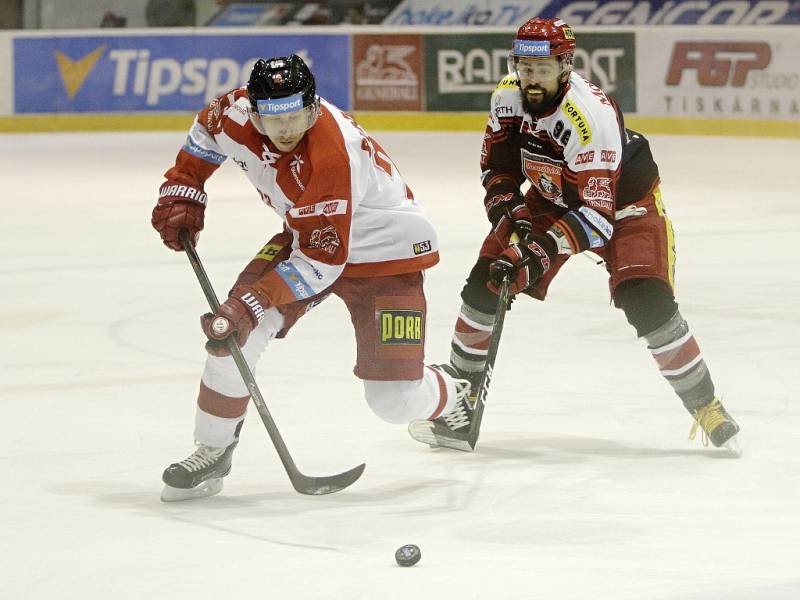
[504, 302]
[488, 369]
[439, 435]
[302, 483]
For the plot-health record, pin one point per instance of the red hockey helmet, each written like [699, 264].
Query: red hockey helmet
[542, 52]
[544, 37]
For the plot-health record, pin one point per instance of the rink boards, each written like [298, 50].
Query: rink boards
[739, 80]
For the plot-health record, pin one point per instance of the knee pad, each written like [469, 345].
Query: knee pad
[475, 293]
[647, 303]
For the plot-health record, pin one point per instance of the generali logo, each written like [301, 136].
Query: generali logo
[387, 72]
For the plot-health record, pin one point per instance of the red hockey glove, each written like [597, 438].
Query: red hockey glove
[237, 316]
[524, 263]
[508, 214]
[179, 206]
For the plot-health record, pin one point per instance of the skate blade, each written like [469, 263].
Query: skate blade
[205, 489]
[732, 445]
[428, 433]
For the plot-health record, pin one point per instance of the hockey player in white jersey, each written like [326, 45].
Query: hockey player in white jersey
[593, 186]
[351, 228]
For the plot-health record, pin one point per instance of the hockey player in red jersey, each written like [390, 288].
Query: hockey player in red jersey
[593, 186]
[351, 228]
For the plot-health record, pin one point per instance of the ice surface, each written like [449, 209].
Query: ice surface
[583, 486]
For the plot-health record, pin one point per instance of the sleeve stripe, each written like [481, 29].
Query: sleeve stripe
[292, 278]
[597, 222]
[587, 231]
[567, 231]
[202, 153]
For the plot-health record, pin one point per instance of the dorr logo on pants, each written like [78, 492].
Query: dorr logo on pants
[401, 327]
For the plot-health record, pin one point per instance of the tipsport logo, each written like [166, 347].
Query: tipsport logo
[136, 73]
[280, 106]
[525, 48]
[127, 73]
[74, 72]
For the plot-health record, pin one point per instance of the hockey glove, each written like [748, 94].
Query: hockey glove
[179, 206]
[237, 316]
[523, 263]
[508, 214]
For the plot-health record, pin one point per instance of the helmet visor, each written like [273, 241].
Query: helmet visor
[537, 70]
[284, 118]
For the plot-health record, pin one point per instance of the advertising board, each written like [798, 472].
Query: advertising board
[752, 75]
[160, 73]
[512, 13]
[462, 71]
[388, 72]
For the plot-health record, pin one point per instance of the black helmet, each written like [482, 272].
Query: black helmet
[280, 77]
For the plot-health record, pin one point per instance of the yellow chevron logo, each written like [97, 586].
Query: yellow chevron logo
[75, 72]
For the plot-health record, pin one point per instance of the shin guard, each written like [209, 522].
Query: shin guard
[680, 362]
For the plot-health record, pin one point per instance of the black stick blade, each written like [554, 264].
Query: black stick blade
[317, 486]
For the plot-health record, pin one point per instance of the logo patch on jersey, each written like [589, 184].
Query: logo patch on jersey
[584, 158]
[598, 221]
[213, 116]
[422, 247]
[507, 82]
[502, 110]
[328, 208]
[269, 252]
[597, 188]
[544, 174]
[292, 277]
[325, 239]
[578, 120]
[608, 156]
[401, 327]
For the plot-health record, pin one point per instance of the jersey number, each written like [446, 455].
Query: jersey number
[377, 154]
[559, 132]
[373, 148]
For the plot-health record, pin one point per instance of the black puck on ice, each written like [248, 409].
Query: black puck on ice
[408, 555]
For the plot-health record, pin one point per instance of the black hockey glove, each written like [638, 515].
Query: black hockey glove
[508, 214]
[523, 263]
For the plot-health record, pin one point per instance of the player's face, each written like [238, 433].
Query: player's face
[286, 130]
[539, 80]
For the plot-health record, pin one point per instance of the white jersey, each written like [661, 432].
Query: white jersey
[348, 209]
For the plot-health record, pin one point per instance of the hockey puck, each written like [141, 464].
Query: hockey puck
[408, 555]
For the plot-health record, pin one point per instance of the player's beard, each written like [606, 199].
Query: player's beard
[536, 100]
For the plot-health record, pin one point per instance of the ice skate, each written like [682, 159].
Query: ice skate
[198, 476]
[451, 429]
[717, 425]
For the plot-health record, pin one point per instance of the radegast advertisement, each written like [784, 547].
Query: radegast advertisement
[505, 13]
[752, 74]
[160, 73]
[463, 70]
